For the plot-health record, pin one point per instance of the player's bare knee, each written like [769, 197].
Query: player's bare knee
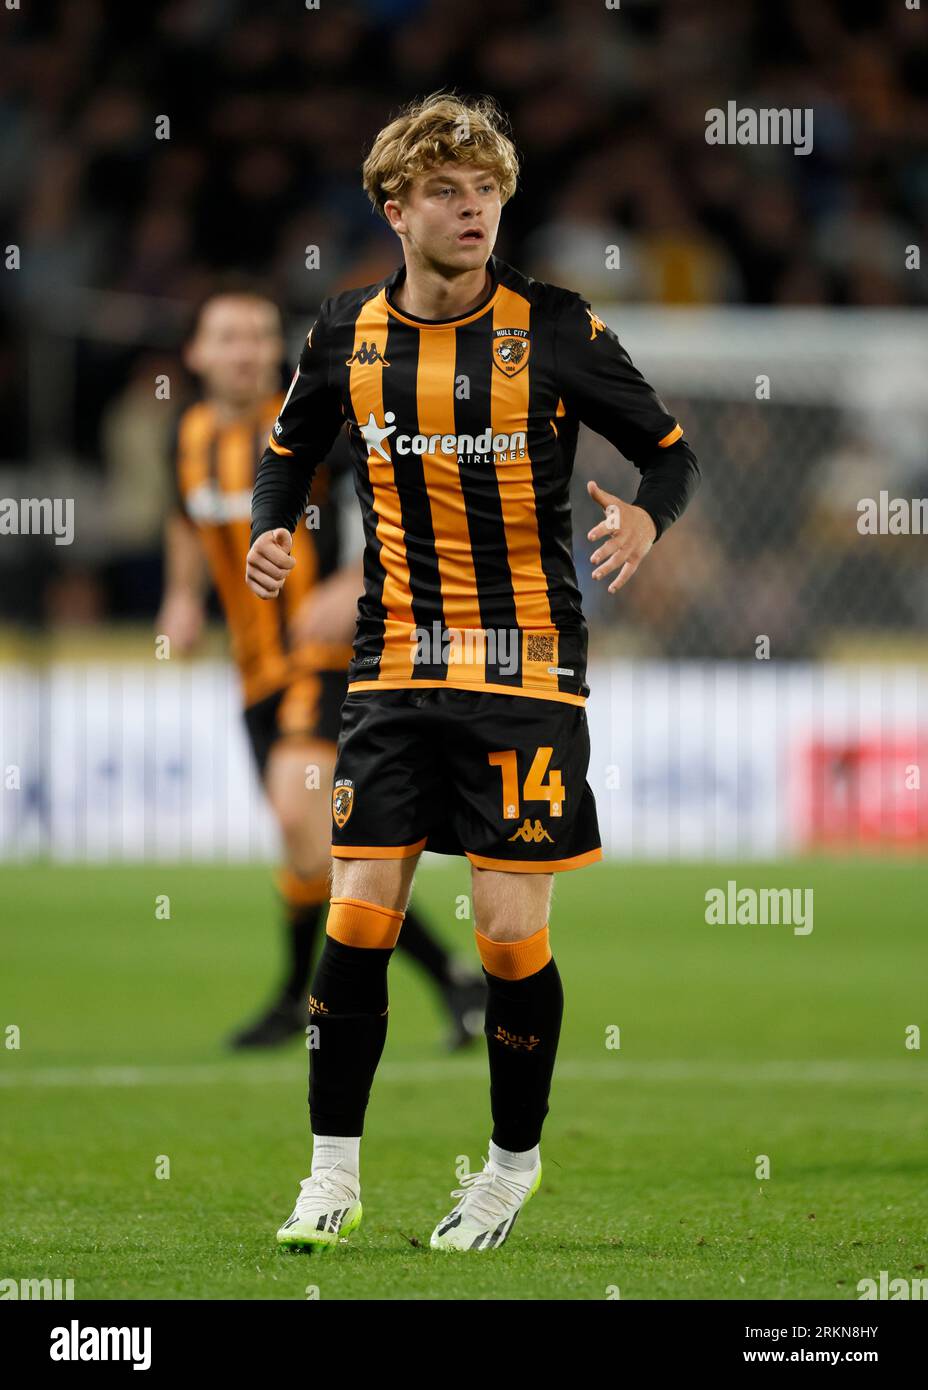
[308, 857]
[386, 882]
[510, 906]
[294, 827]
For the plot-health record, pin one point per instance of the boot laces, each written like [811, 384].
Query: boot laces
[489, 1196]
[325, 1183]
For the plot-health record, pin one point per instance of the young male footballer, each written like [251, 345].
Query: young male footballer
[461, 383]
[292, 657]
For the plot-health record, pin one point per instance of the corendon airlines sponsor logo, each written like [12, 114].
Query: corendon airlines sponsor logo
[455, 445]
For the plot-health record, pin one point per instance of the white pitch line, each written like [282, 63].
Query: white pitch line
[840, 1073]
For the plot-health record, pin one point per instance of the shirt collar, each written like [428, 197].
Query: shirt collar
[399, 275]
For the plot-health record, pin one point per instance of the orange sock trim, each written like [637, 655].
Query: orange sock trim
[298, 891]
[357, 923]
[514, 960]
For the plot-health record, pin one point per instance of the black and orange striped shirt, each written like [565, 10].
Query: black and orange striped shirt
[215, 474]
[463, 434]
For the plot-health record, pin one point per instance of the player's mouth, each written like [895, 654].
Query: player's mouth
[472, 234]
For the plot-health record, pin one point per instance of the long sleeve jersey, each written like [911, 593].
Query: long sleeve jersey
[463, 434]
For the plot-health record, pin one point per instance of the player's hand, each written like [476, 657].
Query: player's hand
[269, 562]
[329, 612]
[630, 531]
[181, 621]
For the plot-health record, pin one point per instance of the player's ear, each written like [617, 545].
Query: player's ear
[393, 212]
[191, 356]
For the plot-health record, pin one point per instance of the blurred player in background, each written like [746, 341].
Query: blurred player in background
[292, 656]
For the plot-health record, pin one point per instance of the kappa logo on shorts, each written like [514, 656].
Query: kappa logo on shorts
[532, 834]
[342, 800]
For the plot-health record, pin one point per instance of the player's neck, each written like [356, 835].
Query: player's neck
[427, 294]
[233, 412]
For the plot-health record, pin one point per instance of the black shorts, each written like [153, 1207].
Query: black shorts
[308, 708]
[500, 778]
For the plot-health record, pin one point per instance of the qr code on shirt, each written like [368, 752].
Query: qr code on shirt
[540, 649]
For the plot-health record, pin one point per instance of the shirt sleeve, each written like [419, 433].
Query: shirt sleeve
[601, 386]
[300, 439]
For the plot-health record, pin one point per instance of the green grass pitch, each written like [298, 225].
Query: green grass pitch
[736, 1041]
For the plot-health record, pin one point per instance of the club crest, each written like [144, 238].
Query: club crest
[510, 349]
[342, 801]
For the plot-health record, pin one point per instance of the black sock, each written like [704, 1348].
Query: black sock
[424, 948]
[301, 932]
[523, 1024]
[348, 1007]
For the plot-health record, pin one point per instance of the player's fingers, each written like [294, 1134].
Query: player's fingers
[273, 582]
[257, 575]
[626, 573]
[259, 584]
[609, 548]
[616, 558]
[263, 564]
[277, 555]
[608, 527]
[604, 499]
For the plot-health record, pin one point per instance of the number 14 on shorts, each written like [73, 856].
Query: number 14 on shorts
[535, 788]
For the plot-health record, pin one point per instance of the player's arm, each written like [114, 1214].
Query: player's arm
[183, 605]
[302, 436]
[601, 385]
[329, 612]
[186, 578]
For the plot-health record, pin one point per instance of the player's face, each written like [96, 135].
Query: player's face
[238, 349]
[450, 216]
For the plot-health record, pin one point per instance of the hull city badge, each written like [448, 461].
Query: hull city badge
[510, 350]
[342, 801]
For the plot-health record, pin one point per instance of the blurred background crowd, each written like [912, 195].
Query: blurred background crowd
[271, 108]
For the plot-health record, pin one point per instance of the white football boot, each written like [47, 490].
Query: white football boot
[327, 1210]
[485, 1215]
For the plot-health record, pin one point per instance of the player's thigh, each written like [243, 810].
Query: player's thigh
[388, 792]
[510, 906]
[518, 766]
[386, 882]
[298, 782]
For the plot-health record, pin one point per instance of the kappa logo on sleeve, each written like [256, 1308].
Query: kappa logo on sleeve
[596, 324]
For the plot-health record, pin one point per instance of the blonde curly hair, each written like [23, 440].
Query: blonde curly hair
[438, 129]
